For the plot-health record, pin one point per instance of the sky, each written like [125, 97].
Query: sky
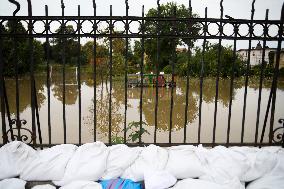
[235, 8]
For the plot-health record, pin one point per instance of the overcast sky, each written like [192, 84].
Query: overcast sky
[234, 8]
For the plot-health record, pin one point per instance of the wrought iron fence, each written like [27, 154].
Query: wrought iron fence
[13, 130]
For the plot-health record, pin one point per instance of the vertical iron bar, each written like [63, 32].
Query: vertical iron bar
[247, 72]
[31, 51]
[8, 111]
[141, 74]
[48, 76]
[63, 70]
[275, 76]
[79, 76]
[173, 72]
[201, 76]
[15, 63]
[187, 74]
[125, 69]
[2, 99]
[157, 74]
[110, 76]
[95, 71]
[218, 72]
[37, 117]
[232, 83]
[261, 77]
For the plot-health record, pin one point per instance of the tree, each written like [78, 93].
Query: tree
[167, 45]
[21, 53]
[210, 62]
[71, 47]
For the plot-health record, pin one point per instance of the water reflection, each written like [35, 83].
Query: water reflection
[102, 88]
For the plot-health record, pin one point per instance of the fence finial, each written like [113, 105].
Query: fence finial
[126, 3]
[18, 6]
[221, 8]
[94, 3]
[252, 9]
[29, 7]
[282, 13]
[62, 4]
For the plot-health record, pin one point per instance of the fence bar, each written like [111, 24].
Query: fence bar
[63, 71]
[95, 70]
[172, 80]
[37, 117]
[125, 69]
[218, 73]
[275, 76]
[110, 76]
[205, 29]
[2, 99]
[32, 80]
[15, 63]
[263, 64]
[142, 76]
[157, 73]
[187, 73]
[79, 76]
[232, 83]
[10, 122]
[47, 51]
[247, 73]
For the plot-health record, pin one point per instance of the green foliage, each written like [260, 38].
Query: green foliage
[22, 49]
[167, 46]
[210, 62]
[135, 133]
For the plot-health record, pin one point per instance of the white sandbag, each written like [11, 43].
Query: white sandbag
[260, 161]
[88, 163]
[222, 164]
[82, 185]
[48, 164]
[151, 158]
[44, 186]
[13, 157]
[268, 182]
[274, 179]
[158, 179]
[120, 157]
[184, 163]
[12, 183]
[197, 184]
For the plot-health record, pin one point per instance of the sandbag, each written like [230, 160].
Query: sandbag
[197, 184]
[48, 164]
[151, 158]
[12, 183]
[120, 184]
[14, 156]
[260, 161]
[82, 185]
[184, 163]
[87, 164]
[223, 162]
[44, 186]
[120, 157]
[158, 179]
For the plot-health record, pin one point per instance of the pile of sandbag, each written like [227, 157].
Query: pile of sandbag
[179, 167]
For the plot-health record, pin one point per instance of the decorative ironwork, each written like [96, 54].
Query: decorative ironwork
[278, 133]
[26, 134]
[103, 26]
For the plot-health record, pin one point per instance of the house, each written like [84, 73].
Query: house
[256, 54]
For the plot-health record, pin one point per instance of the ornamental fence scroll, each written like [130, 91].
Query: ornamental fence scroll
[17, 125]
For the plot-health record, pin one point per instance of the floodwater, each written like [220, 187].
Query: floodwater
[117, 110]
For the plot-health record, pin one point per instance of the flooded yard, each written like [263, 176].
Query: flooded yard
[102, 88]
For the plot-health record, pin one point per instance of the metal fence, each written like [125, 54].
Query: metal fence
[12, 130]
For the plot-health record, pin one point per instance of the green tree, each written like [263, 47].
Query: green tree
[21, 53]
[168, 45]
